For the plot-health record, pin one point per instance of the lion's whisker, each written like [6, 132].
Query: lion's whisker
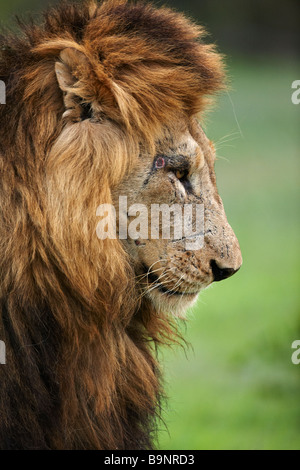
[150, 268]
[141, 276]
[155, 284]
[232, 134]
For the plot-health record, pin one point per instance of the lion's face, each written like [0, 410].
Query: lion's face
[170, 271]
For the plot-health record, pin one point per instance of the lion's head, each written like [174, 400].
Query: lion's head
[103, 102]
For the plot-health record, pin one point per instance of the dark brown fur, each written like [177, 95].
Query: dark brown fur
[80, 370]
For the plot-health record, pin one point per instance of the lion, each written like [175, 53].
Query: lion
[102, 100]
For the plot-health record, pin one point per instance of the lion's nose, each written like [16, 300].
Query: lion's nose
[221, 273]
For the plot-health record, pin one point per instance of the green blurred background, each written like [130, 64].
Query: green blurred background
[236, 387]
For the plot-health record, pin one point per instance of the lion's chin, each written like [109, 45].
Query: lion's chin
[176, 305]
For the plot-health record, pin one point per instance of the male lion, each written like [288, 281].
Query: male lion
[101, 102]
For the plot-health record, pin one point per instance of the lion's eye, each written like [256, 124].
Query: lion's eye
[181, 174]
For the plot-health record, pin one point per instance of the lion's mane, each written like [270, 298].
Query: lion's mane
[80, 367]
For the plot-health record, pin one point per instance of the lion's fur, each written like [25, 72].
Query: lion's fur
[80, 369]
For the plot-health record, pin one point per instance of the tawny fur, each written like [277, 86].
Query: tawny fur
[81, 372]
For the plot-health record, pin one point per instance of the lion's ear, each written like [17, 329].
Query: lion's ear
[88, 90]
[70, 72]
[67, 70]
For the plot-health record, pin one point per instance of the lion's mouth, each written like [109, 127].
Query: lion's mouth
[157, 284]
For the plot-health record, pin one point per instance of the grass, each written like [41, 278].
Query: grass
[236, 387]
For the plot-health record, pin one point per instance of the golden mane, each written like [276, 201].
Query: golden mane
[80, 372]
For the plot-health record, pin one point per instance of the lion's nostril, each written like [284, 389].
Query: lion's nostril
[221, 273]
